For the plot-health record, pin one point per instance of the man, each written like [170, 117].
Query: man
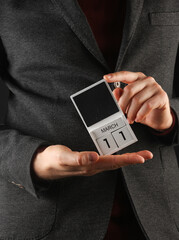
[48, 52]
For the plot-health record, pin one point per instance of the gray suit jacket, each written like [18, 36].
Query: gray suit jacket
[47, 53]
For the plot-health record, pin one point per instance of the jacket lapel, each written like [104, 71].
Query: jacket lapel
[133, 12]
[75, 18]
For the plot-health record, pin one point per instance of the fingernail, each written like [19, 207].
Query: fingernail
[108, 76]
[151, 156]
[131, 122]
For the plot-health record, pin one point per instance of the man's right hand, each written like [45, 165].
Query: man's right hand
[57, 161]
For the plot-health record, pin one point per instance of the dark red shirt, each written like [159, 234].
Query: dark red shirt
[106, 20]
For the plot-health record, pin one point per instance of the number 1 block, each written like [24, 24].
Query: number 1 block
[107, 143]
[122, 137]
[115, 140]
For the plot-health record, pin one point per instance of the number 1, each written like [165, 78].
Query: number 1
[105, 140]
[122, 135]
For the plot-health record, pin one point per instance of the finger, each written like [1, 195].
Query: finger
[137, 101]
[134, 88]
[129, 92]
[70, 158]
[81, 162]
[145, 154]
[109, 162]
[124, 76]
[153, 103]
[117, 93]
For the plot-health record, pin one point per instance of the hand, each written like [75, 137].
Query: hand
[143, 99]
[58, 161]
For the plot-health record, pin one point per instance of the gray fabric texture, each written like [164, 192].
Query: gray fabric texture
[47, 53]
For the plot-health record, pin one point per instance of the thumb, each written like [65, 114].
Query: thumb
[71, 158]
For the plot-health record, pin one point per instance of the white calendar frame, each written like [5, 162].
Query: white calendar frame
[94, 130]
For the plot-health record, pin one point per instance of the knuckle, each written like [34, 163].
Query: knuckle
[129, 90]
[149, 105]
[136, 99]
[152, 80]
[159, 86]
[156, 86]
[164, 94]
[78, 159]
[141, 74]
[114, 164]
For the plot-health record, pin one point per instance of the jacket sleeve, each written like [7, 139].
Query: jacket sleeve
[170, 136]
[16, 148]
[174, 102]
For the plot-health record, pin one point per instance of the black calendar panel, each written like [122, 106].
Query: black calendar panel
[96, 104]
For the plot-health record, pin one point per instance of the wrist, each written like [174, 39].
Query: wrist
[37, 164]
[171, 124]
[165, 127]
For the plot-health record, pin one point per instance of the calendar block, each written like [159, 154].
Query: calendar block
[103, 118]
[122, 137]
[107, 144]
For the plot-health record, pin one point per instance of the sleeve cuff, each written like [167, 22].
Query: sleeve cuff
[168, 136]
[167, 131]
[40, 185]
